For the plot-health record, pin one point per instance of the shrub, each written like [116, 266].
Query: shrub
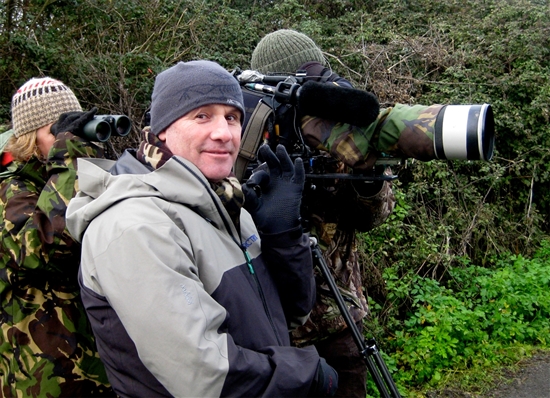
[471, 319]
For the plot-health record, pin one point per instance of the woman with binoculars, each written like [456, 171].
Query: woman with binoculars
[46, 344]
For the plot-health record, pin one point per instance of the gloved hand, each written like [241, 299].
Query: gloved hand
[325, 382]
[273, 194]
[314, 70]
[72, 122]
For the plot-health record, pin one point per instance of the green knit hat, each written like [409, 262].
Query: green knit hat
[40, 101]
[285, 51]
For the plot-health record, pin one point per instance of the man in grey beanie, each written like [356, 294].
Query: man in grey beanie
[192, 282]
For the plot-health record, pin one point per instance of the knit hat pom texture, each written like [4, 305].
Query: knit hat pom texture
[40, 101]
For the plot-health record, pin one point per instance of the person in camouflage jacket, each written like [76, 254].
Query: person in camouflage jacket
[334, 212]
[46, 344]
[337, 209]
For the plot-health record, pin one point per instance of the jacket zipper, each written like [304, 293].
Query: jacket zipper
[246, 254]
[260, 291]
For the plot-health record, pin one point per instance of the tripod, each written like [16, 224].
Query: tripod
[368, 349]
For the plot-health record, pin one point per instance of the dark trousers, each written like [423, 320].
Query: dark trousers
[341, 352]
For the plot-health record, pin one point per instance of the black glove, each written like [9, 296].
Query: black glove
[314, 71]
[273, 194]
[325, 382]
[72, 122]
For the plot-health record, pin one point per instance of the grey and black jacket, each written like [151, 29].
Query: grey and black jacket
[181, 303]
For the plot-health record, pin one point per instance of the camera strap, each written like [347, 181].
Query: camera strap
[252, 137]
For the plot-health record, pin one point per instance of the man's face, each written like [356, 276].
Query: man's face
[209, 137]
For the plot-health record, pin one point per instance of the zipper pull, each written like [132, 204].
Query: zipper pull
[248, 261]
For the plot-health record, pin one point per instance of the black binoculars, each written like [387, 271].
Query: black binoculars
[102, 127]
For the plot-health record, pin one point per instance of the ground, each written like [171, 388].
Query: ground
[529, 379]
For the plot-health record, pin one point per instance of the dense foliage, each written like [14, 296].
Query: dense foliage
[456, 221]
[479, 317]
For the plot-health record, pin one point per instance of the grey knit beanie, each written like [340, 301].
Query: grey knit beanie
[189, 85]
[285, 51]
[40, 101]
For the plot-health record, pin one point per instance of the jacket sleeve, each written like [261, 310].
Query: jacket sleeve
[177, 327]
[291, 265]
[34, 208]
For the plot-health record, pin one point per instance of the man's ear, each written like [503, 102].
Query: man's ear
[162, 136]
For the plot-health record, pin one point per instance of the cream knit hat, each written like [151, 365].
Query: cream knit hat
[40, 101]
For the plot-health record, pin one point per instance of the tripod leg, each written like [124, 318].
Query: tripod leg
[378, 380]
[381, 366]
[376, 366]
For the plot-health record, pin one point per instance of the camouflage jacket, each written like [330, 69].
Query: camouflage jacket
[338, 209]
[46, 344]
